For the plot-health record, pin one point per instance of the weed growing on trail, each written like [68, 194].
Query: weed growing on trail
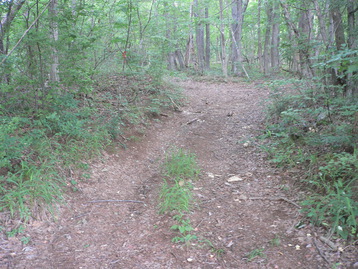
[175, 196]
[258, 252]
[275, 242]
[184, 228]
[179, 168]
[181, 165]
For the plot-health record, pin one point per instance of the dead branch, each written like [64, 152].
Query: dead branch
[320, 252]
[191, 121]
[175, 105]
[328, 242]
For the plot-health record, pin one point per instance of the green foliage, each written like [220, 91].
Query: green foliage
[337, 208]
[311, 129]
[181, 165]
[257, 252]
[184, 228]
[176, 195]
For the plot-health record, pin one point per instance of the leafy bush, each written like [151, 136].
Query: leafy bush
[308, 127]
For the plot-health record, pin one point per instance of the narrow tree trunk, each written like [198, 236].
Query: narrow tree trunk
[238, 9]
[322, 23]
[5, 23]
[352, 88]
[224, 56]
[338, 26]
[267, 62]
[207, 40]
[275, 59]
[352, 31]
[259, 41]
[54, 72]
[199, 31]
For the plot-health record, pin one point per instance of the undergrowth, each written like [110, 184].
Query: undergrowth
[47, 137]
[315, 128]
[179, 170]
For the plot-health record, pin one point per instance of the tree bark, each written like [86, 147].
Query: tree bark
[275, 59]
[199, 31]
[259, 41]
[224, 56]
[54, 72]
[207, 40]
[267, 62]
[338, 26]
[238, 10]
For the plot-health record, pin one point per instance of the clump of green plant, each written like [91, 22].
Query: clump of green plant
[308, 127]
[257, 252]
[276, 241]
[181, 165]
[175, 196]
[180, 168]
[184, 228]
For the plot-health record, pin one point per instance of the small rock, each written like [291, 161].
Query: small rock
[190, 259]
[355, 265]
[211, 175]
[234, 179]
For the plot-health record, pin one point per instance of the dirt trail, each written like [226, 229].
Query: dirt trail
[223, 117]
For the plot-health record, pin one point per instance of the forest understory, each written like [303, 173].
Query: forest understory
[244, 213]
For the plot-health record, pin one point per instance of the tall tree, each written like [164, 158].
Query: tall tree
[53, 11]
[275, 58]
[267, 46]
[224, 57]
[207, 39]
[238, 9]
[12, 9]
[199, 35]
[259, 41]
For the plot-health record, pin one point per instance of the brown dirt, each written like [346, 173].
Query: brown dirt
[224, 120]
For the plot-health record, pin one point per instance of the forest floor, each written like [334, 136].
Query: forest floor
[244, 222]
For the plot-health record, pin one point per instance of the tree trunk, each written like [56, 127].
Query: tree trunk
[13, 8]
[275, 59]
[267, 63]
[322, 23]
[224, 56]
[199, 30]
[237, 10]
[259, 41]
[54, 72]
[207, 40]
[352, 87]
[352, 30]
[338, 26]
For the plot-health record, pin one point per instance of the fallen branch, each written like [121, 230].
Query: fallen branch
[328, 242]
[175, 105]
[320, 252]
[115, 201]
[275, 199]
[191, 121]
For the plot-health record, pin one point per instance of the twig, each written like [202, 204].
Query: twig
[328, 242]
[175, 105]
[115, 201]
[275, 199]
[191, 121]
[320, 252]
